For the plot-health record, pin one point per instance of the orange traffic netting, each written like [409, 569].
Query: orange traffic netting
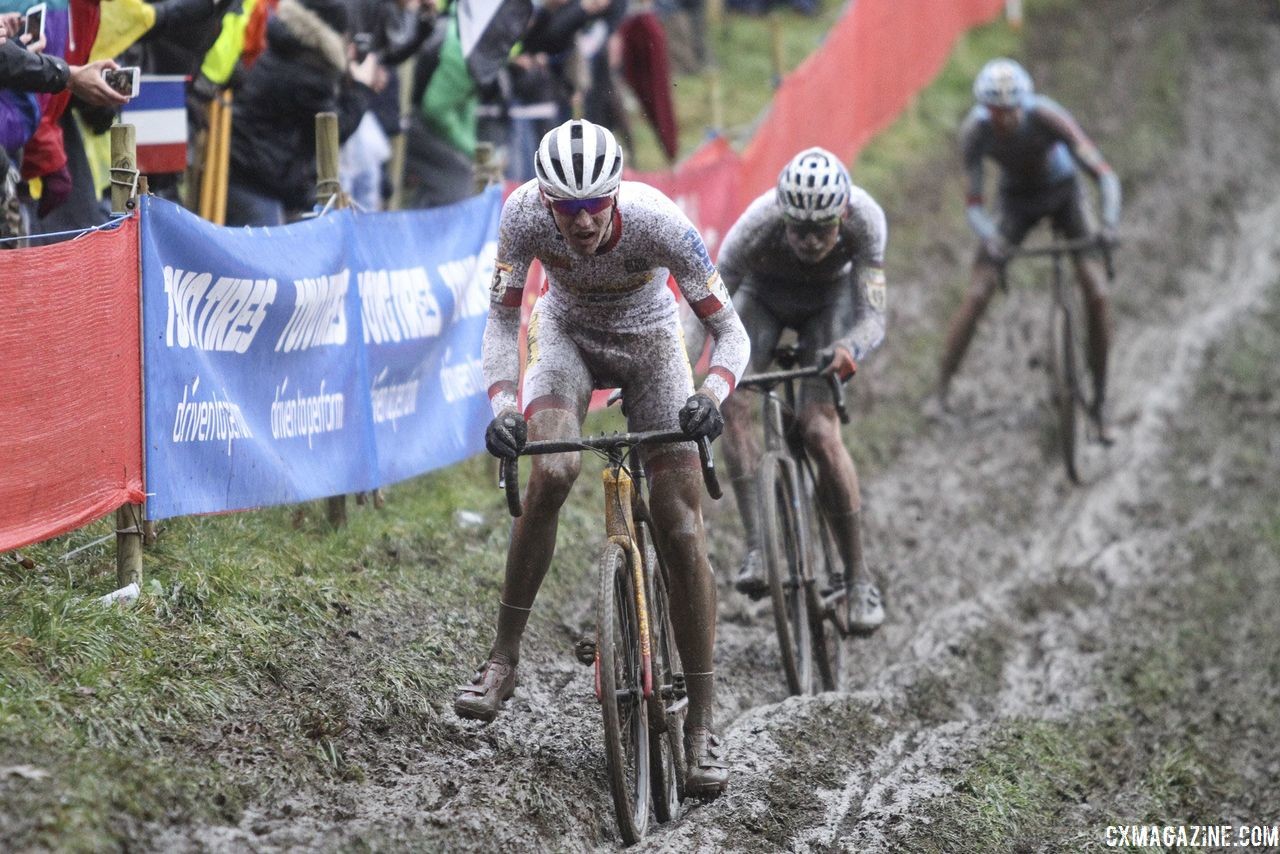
[70, 384]
[873, 62]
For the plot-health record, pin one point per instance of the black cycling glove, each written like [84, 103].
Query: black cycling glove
[506, 435]
[701, 417]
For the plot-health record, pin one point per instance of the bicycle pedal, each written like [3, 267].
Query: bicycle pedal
[585, 650]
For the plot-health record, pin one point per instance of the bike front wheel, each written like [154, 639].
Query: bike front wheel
[620, 687]
[667, 705]
[826, 621]
[1067, 372]
[784, 540]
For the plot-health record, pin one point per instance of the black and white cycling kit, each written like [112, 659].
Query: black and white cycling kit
[839, 301]
[607, 320]
[1038, 172]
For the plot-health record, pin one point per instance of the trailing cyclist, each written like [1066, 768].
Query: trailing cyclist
[809, 256]
[1038, 146]
[607, 319]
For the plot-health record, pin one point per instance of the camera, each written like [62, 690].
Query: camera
[363, 44]
[33, 23]
[123, 80]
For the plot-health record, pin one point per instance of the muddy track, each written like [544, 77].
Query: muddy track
[1001, 578]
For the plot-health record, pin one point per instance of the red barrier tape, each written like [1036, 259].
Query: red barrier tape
[71, 385]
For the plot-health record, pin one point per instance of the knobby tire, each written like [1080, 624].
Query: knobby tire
[828, 645]
[784, 540]
[666, 729]
[1065, 360]
[626, 728]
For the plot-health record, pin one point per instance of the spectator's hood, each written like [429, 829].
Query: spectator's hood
[310, 25]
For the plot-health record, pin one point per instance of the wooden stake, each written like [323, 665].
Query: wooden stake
[716, 94]
[124, 187]
[775, 49]
[329, 187]
[1013, 12]
[222, 161]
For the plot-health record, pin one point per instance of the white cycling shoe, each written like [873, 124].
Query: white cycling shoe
[866, 611]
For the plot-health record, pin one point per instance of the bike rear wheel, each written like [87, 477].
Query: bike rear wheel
[621, 692]
[784, 540]
[1067, 373]
[667, 705]
[828, 643]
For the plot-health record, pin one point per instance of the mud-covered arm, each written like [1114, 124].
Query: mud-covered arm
[732, 260]
[500, 349]
[867, 230]
[702, 288]
[973, 149]
[1062, 125]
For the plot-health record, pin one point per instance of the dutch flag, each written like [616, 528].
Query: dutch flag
[159, 113]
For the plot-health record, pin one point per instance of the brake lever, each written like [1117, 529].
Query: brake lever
[708, 461]
[509, 480]
[837, 395]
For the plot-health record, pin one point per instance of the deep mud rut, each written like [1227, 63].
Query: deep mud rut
[1005, 584]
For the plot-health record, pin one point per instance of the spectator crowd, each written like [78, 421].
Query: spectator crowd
[404, 76]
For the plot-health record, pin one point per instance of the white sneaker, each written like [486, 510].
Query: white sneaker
[866, 611]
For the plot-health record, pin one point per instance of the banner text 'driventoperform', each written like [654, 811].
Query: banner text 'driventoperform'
[325, 357]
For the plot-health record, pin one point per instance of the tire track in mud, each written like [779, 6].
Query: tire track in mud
[1051, 581]
[1003, 584]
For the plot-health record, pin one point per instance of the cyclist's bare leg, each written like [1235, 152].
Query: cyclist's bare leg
[533, 537]
[676, 506]
[741, 454]
[841, 503]
[1093, 285]
[838, 492]
[984, 279]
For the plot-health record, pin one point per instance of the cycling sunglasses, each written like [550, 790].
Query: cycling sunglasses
[804, 227]
[570, 207]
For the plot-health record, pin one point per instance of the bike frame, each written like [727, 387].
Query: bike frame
[776, 435]
[622, 494]
[1072, 396]
[623, 505]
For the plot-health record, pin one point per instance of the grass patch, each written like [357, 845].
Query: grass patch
[262, 627]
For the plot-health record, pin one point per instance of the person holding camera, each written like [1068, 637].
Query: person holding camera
[24, 67]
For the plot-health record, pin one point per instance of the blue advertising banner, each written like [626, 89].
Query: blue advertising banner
[423, 280]
[320, 358]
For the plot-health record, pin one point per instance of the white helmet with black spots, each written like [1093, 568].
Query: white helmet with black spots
[578, 160]
[814, 186]
[1002, 83]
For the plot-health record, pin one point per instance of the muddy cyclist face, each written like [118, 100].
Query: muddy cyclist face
[1005, 119]
[812, 240]
[585, 223]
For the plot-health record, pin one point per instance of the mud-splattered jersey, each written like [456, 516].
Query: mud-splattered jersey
[1039, 154]
[756, 250]
[621, 288]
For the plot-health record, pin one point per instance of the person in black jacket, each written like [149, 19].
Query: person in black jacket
[24, 68]
[303, 71]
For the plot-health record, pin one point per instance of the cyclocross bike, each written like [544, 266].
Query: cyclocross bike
[639, 681]
[799, 551]
[1068, 348]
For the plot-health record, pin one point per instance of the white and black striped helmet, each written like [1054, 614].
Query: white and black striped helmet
[1002, 83]
[813, 186]
[578, 160]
